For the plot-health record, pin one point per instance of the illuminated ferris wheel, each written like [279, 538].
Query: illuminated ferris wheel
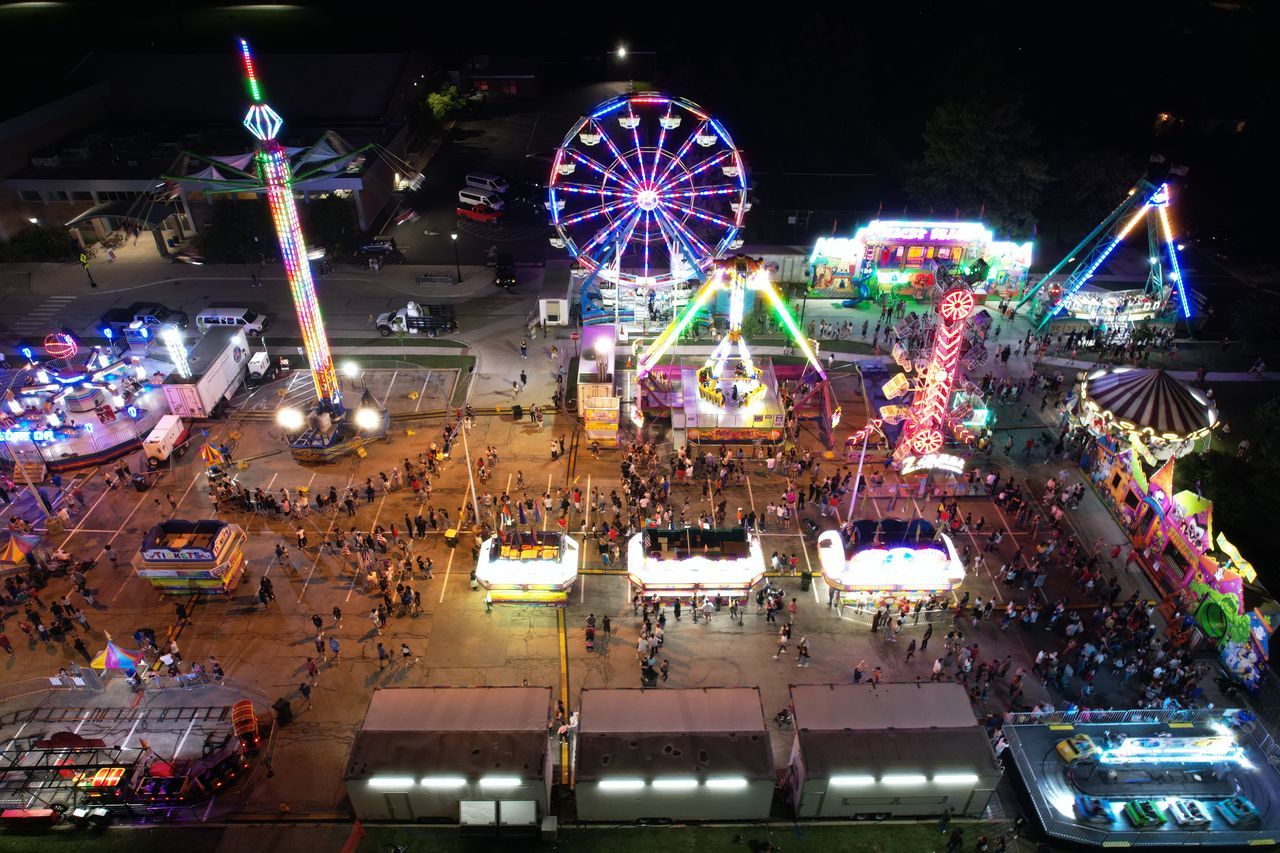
[647, 190]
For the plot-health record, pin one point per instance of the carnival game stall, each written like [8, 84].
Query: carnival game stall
[873, 562]
[896, 257]
[691, 562]
[79, 407]
[528, 567]
[181, 557]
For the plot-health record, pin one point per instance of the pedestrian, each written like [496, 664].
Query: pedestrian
[317, 621]
[406, 654]
[333, 647]
[180, 610]
[524, 349]
[911, 650]
[302, 537]
[79, 646]
[792, 609]
[524, 380]
[110, 554]
[337, 617]
[215, 668]
[782, 641]
[944, 822]
[305, 690]
[313, 670]
[384, 657]
[928, 632]
[319, 641]
[5, 644]
[666, 666]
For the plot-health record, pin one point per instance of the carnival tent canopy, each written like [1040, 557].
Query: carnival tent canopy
[114, 657]
[1151, 400]
[15, 549]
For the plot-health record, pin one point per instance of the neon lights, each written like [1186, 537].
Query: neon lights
[60, 345]
[1210, 749]
[933, 462]
[273, 168]
[940, 232]
[1176, 274]
[27, 435]
[665, 219]
[956, 305]
[172, 338]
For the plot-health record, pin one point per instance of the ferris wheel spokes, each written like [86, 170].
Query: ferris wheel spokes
[592, 164]
[617, 155]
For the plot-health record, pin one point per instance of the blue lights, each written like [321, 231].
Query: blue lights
[108, 333]
[28, 352]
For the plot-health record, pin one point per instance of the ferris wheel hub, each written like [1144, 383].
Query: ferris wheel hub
[647, 199]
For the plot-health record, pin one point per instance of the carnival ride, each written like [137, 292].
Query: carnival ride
[731, 395]
[329, 430]
[1150, 411]
[1164, 272]
[645, 192]
[935, 348]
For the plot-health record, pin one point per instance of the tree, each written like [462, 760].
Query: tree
[40, 243]
[980, 153]
[238, 232]
[445, 103]
[1233, 484]
[1085, 184]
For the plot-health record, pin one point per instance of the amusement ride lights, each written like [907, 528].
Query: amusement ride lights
[273, 168]
[922, 434]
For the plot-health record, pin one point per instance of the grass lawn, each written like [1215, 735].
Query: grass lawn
[1237, 402]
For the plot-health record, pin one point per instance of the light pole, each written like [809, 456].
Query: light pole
[457, 263]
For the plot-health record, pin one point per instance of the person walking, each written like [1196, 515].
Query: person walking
[802, 653]
[911, 650]
[337, 617]
[524, 380]
[524, 349]
[110, 554]
[5, 644]
[937, 670]
[782, 642]
[313, 670]
[333, 647]
[317, 621]
[407, 656]
[665, 668]
[928, 632]
[305, 690]
[320, 647]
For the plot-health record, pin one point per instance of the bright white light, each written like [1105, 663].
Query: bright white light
[955, 779]
[727, 784]
[675, 784]
[367, 418]
[33, 220]
[622, 51]
[500, 782]
[852, 781]
[385, 782]
[903, 779]
[621, 784]
[291, 419]
[603, 346]
[443, 782]
[350, 370]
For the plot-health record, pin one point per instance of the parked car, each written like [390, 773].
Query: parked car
[378, 247]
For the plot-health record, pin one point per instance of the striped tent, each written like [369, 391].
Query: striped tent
[1150, 400]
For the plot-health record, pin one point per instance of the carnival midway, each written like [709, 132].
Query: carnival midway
[948, 497]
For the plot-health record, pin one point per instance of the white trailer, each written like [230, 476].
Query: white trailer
[217, 368]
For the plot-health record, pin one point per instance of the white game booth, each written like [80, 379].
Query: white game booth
[692, 562]
[528, 567]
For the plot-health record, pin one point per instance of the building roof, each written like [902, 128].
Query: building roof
[706, 709]
[421, 710]
[713, 731]
[857, 707]
[828, 753]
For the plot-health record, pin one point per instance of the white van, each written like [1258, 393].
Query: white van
[487, 181]
[253, 323]
[471, 197]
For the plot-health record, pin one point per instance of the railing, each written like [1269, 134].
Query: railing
[434, 279]
[1140, 715]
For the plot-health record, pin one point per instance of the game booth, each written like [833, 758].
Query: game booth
[888, 561]
[78, 407]
[692, 562]
[528, 567]
[192, 557]
[896, 257]
[1148, 778]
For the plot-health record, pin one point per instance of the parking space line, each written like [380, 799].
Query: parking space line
[178, 749]
[423, 392]
[387, 396]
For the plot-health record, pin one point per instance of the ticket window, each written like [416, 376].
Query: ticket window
[915, 258]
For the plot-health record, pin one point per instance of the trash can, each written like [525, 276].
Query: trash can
[806, 581]
[284, 711]
[140, 483]
[451, 537]
[517, 412]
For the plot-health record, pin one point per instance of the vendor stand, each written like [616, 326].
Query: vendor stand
[891, 561]
[691, 562]
[184, 557]
[528, 567]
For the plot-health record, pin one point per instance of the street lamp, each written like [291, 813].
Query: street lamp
[622, 51]
[457, 263]
[367, 419]
[33, 220]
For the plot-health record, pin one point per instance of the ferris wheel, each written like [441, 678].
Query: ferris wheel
[647, 190]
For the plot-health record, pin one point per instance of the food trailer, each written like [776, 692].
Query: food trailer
[528, 567]
[691, 562]
[889, 559]
[183, 557]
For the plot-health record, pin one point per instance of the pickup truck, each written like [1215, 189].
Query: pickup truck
[480, 213]
[417, 319]
[146, 313]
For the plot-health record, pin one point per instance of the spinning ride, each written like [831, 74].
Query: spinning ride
[645, 192]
